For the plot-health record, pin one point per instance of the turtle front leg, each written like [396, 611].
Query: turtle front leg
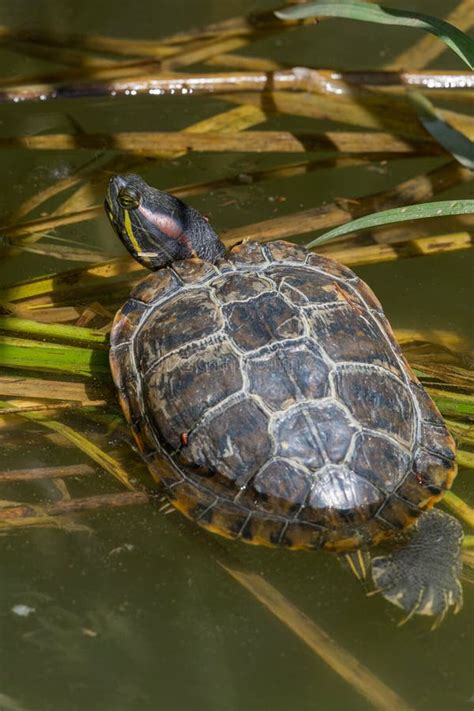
[422, 576]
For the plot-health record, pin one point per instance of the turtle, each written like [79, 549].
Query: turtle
[267, 394]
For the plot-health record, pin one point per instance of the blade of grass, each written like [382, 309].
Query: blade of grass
[399, 214]
[455, 39]
[251, 26]
[20, 516]
[463, 432]
[428, 47]
[459, 508]
[448, 373]
[468, 542]
[21, 353]
[98, 502]
[465, 459]
[459, 145]
[77, 334]
[453, 404]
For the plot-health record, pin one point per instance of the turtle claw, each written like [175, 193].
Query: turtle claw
[412, 612]
[458, 605]
[422, 577]
[358, 563]
[439, 619]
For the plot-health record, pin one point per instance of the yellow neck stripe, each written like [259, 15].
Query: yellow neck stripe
[129, 230]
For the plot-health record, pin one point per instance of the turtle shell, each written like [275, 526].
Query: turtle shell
[268, 395]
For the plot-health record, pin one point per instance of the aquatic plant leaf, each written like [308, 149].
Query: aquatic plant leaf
[22, 353]
[459, 507]
[427, 48]
[465, 460]
[370, 12]
[463, 432]
[453, 404]
[459, 145]
[442, 208]
[77, 334]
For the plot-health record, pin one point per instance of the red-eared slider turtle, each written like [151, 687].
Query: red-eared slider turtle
[266, 391]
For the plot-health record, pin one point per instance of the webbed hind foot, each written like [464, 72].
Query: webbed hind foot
[422, 576]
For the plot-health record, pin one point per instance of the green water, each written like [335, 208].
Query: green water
[135, 614]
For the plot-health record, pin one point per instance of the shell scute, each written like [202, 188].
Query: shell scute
[156, 286]
[194, 271]
[240, 287]
[437, 439]
[261, 321]
[348, 335]
[281, 487]
[339, 495]
[250, 254]
[126, 322]
[288, 375]
[377, 400]
[380, 460]
[286, 251]
[314, 433]
[329, 266]
[177, 323]
[186, 385]
[305, 286]
[365, 293]
[234, 443]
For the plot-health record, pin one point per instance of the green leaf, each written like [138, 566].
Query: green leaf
[443, 208]
[21, 353]
[52, 330]
[370, 12]
[459, 145]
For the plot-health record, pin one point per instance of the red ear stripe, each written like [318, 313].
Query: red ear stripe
[167, 226]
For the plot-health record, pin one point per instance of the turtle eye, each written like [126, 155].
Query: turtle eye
[129, 198]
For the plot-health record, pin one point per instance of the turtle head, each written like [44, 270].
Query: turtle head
[156, 227]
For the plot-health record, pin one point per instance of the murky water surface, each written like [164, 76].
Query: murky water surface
[133, 612]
